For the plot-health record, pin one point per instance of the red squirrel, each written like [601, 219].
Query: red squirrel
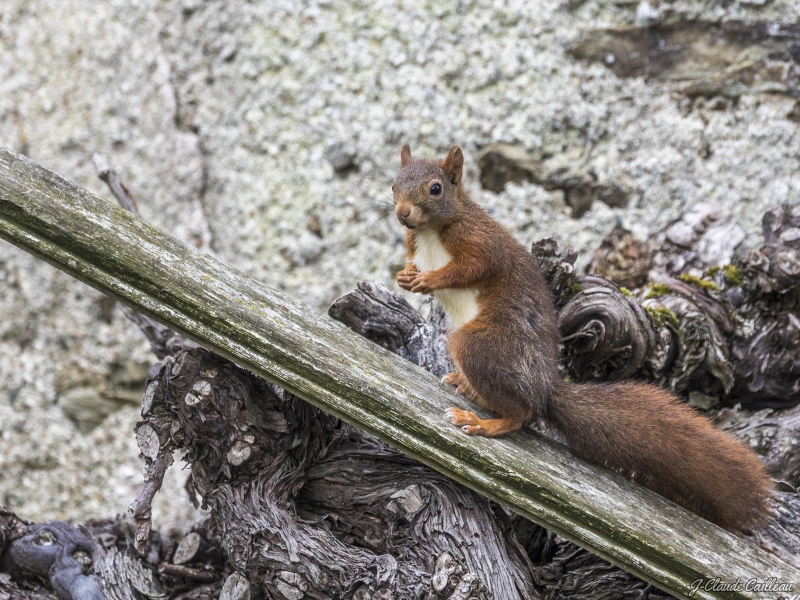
[504, 340]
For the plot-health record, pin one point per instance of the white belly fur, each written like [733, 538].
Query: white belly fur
[460, 304]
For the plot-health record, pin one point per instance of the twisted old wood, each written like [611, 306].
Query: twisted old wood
[322, 361]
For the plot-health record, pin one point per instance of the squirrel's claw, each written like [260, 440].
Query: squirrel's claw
[473, 430]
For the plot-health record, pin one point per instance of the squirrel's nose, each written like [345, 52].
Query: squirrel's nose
[403, 214]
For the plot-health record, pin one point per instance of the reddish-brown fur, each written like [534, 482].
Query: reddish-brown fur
[507, 358]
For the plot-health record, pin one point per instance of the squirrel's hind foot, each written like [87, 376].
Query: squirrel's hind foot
[462, 385]
[471, 424]
[459, 417]
[452, 378]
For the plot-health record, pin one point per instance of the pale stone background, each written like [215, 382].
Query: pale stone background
[224, 119]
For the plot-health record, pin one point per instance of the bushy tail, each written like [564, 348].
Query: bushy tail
[650, 436]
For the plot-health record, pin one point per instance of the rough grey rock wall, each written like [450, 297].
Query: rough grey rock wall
[268, 132]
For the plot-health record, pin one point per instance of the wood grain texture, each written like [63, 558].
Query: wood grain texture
[322, 361]
[306, 506]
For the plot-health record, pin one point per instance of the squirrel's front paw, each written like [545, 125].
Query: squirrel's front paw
[413, 281]
[406, 277]
[422, 284]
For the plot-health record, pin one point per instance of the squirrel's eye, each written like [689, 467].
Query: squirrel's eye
[436, 189]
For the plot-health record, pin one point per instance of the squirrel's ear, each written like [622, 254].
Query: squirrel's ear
[453, 164]
[405, 155]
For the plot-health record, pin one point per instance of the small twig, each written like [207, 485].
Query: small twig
[109, 175]
[143, 502]
[163, 341]
[142, 508]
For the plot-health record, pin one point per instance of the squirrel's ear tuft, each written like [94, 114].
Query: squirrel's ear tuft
[453, 164]
[405, 155]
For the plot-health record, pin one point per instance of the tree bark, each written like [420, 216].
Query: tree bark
[728, 331]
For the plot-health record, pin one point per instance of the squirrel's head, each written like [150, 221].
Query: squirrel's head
[427, 193]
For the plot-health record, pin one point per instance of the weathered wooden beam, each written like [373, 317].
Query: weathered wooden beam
[322, 361]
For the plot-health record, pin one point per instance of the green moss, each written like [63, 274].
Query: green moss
[625, 291]
[576, 287]
[663, 317]
[733, 274]
[695, 280]
[656, 290]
